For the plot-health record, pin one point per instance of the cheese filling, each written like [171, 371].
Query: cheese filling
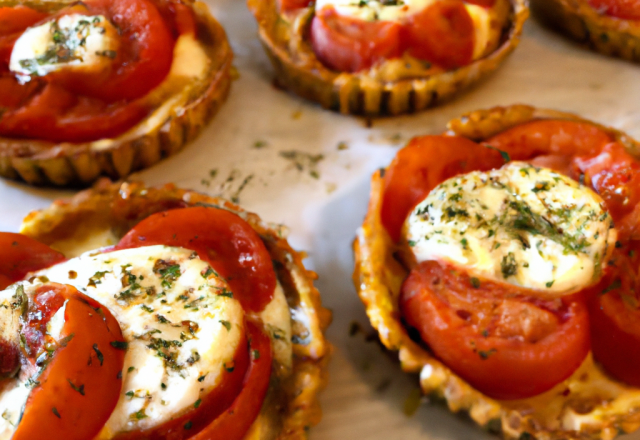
[487, 22]
[75, 41]
[528, 226]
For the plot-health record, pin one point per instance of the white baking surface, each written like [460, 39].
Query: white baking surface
[367, 391]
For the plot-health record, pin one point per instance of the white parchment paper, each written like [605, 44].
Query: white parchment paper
[308, 168]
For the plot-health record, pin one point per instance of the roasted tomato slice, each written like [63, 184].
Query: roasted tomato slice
[214, 404]
[423, 164]
[625, 9]
[614, 307]
[13, 20]
[234, 423]
[504, 344]
[144, 58]
[224, 240]
[290, 5]
[348, 44]
[442, 33]
[80, 384]
[20, 255]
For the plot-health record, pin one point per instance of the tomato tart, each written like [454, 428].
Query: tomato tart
[611, 27]
[376, 58]
[104, 87]
[500, 261]
[130, 313]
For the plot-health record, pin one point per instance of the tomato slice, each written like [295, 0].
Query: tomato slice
[625, 9]
[550, 137]
[17, 18]
[423, 164]
[614, 307]
[348, 44]
[144, 58]
[80, 385]
[211, 405]
[55, 114]
[20, 255]
[224, 240]
[442, 33]
[291, 5]
[234, 423]
[504, 344]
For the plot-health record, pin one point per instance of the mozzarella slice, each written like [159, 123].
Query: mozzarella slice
[487, 31]
[525, 225]
[72, 41]
[180, 321]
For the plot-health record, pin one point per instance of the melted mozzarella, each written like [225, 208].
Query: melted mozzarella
[160, 296]
[486, 32]
[72, 41]
[528, 226]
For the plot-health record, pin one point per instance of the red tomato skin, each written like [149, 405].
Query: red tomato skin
[292, 5]
[347, 44]
[423, 164]
[144, 58]
[222, 239]
[54, 406]
[615, 316]
[442, 33]
[234, 423]
[625, 9]
[20, 255]
[212, 405]
[501, 367]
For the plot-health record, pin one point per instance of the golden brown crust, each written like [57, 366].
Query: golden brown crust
[160, 135]
[284, 38]
[588, 405]
[602, 33]
[291, 405]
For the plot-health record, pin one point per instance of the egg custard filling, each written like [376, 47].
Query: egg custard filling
[190, 338]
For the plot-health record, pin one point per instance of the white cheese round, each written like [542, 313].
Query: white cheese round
[528, 226]
[75, 41]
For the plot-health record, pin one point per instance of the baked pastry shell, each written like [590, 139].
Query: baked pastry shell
[605, 34]
[285, 40]
[588, 405]
[163, 133]
[291, 404]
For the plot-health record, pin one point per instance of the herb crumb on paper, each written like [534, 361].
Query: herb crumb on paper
[304, 161]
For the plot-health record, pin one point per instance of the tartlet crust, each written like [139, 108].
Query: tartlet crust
[291, 404]
[605, 34]
[588, 405]
[164, 132]
[285, 39]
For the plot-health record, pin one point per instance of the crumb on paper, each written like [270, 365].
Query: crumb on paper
[383, 385]
[234, 73]
[395, 138]
[331, 187]
[343, 146]
[235, 197]
[296, 114]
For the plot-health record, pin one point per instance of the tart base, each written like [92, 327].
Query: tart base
[159, 135]
[298, 69]
[578, 20]
[588, 405]
[109, 210]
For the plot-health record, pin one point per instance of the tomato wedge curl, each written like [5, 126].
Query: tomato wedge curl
[505, 344]
[81, 381]
[614, 306]
[20, 255]
[234, 423]
[222, 239]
